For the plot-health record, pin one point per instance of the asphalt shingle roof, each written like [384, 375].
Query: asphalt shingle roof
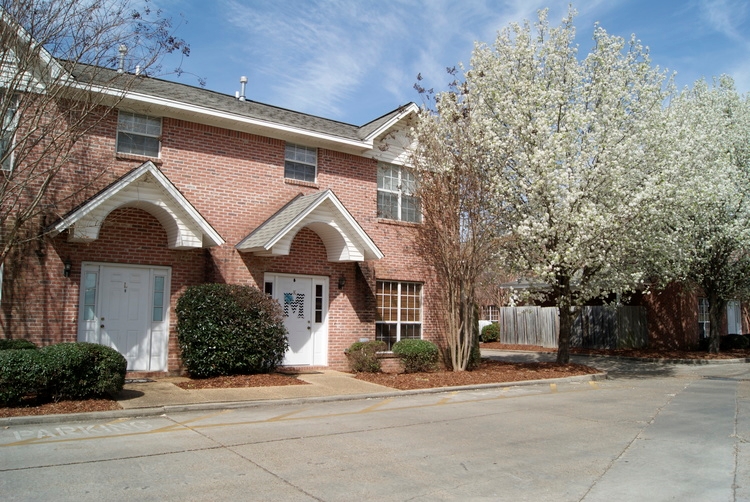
[196, 96]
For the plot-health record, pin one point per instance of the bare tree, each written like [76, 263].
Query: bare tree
[458, 235]
[64, 65]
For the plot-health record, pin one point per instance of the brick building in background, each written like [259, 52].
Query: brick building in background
[201, 187]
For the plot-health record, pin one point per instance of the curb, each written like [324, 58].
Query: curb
[227, 405]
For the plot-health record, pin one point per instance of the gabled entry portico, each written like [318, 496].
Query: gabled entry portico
[126, 305]
[305, 298]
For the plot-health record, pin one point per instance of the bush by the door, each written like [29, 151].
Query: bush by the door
[226, 329]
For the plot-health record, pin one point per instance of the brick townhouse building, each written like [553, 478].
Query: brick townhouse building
[202, 187]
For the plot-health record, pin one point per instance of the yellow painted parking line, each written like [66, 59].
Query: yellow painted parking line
[376, 405]
[446, 400]
[285, 416]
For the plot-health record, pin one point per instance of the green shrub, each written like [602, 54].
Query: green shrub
[226, 329]
[363, 356]
[730, 342]
[21, 373]
[417, 355]
[63, 371]
[81, 370]
[17, 344]
[491, 333]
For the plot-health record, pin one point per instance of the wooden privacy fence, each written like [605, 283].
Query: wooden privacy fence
[597, 327]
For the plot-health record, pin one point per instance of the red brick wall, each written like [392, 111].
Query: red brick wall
[236, 181]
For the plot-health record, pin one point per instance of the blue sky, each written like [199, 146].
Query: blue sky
[355, 60]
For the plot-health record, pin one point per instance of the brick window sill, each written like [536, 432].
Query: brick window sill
[139, 158]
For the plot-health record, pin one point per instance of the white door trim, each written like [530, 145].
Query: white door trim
[154, 333]
[318, 314]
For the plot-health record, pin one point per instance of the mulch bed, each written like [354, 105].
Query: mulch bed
[488, 372]
[234, 381]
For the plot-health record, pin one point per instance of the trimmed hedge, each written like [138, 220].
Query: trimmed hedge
[491, 333]
[417, 355]
[80, 370]
[363, 356]
[63, 371]
[226, 329]
[729, 342]
[17, 344]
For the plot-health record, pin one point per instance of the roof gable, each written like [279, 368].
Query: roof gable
[148, 189]
[343, 237]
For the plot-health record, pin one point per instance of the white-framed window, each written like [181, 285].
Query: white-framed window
[8, 133]
[399, 311]
[396, 187]
[300, 162]
[138, 134]
[490, 313]
[703, 318]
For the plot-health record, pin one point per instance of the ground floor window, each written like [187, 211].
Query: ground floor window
[399, 311]
[703, 319]
[491, 313]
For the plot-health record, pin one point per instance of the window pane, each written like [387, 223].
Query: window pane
[297, 171]
[138, 134]
[386, 333]
[300, 162]
[410, 209]
[387, 205]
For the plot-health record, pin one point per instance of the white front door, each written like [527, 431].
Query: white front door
[734, 318]
[304, 302]
[126, 308]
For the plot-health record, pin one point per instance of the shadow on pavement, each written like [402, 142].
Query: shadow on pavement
[614, 366]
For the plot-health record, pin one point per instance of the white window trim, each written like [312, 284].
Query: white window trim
[10, 130]
[399, 192]
[301, 162]
[138, 133]
[703, 316]
[398, 322]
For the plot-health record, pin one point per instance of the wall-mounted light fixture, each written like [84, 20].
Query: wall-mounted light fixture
[66, 267]
[342, 282]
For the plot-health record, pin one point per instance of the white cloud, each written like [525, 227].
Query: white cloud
[726, 16]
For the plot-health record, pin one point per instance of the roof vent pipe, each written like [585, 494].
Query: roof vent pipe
[243, 82]
[121, 65]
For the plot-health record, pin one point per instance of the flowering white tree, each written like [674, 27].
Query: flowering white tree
[574, 149]
[712, 162]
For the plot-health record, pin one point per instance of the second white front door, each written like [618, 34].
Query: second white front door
[304, 304]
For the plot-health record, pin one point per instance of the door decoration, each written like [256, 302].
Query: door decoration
[295, 302]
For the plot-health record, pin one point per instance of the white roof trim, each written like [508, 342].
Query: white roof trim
[408, 110]
[186, 228]
[239, 119]
[343, 237]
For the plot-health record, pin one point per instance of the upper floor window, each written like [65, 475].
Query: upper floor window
[8, 133]
[138, 134]
[396, 200]
[300, 162]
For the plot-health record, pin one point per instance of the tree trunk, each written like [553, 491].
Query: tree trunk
[716, 307]
[566, 326]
